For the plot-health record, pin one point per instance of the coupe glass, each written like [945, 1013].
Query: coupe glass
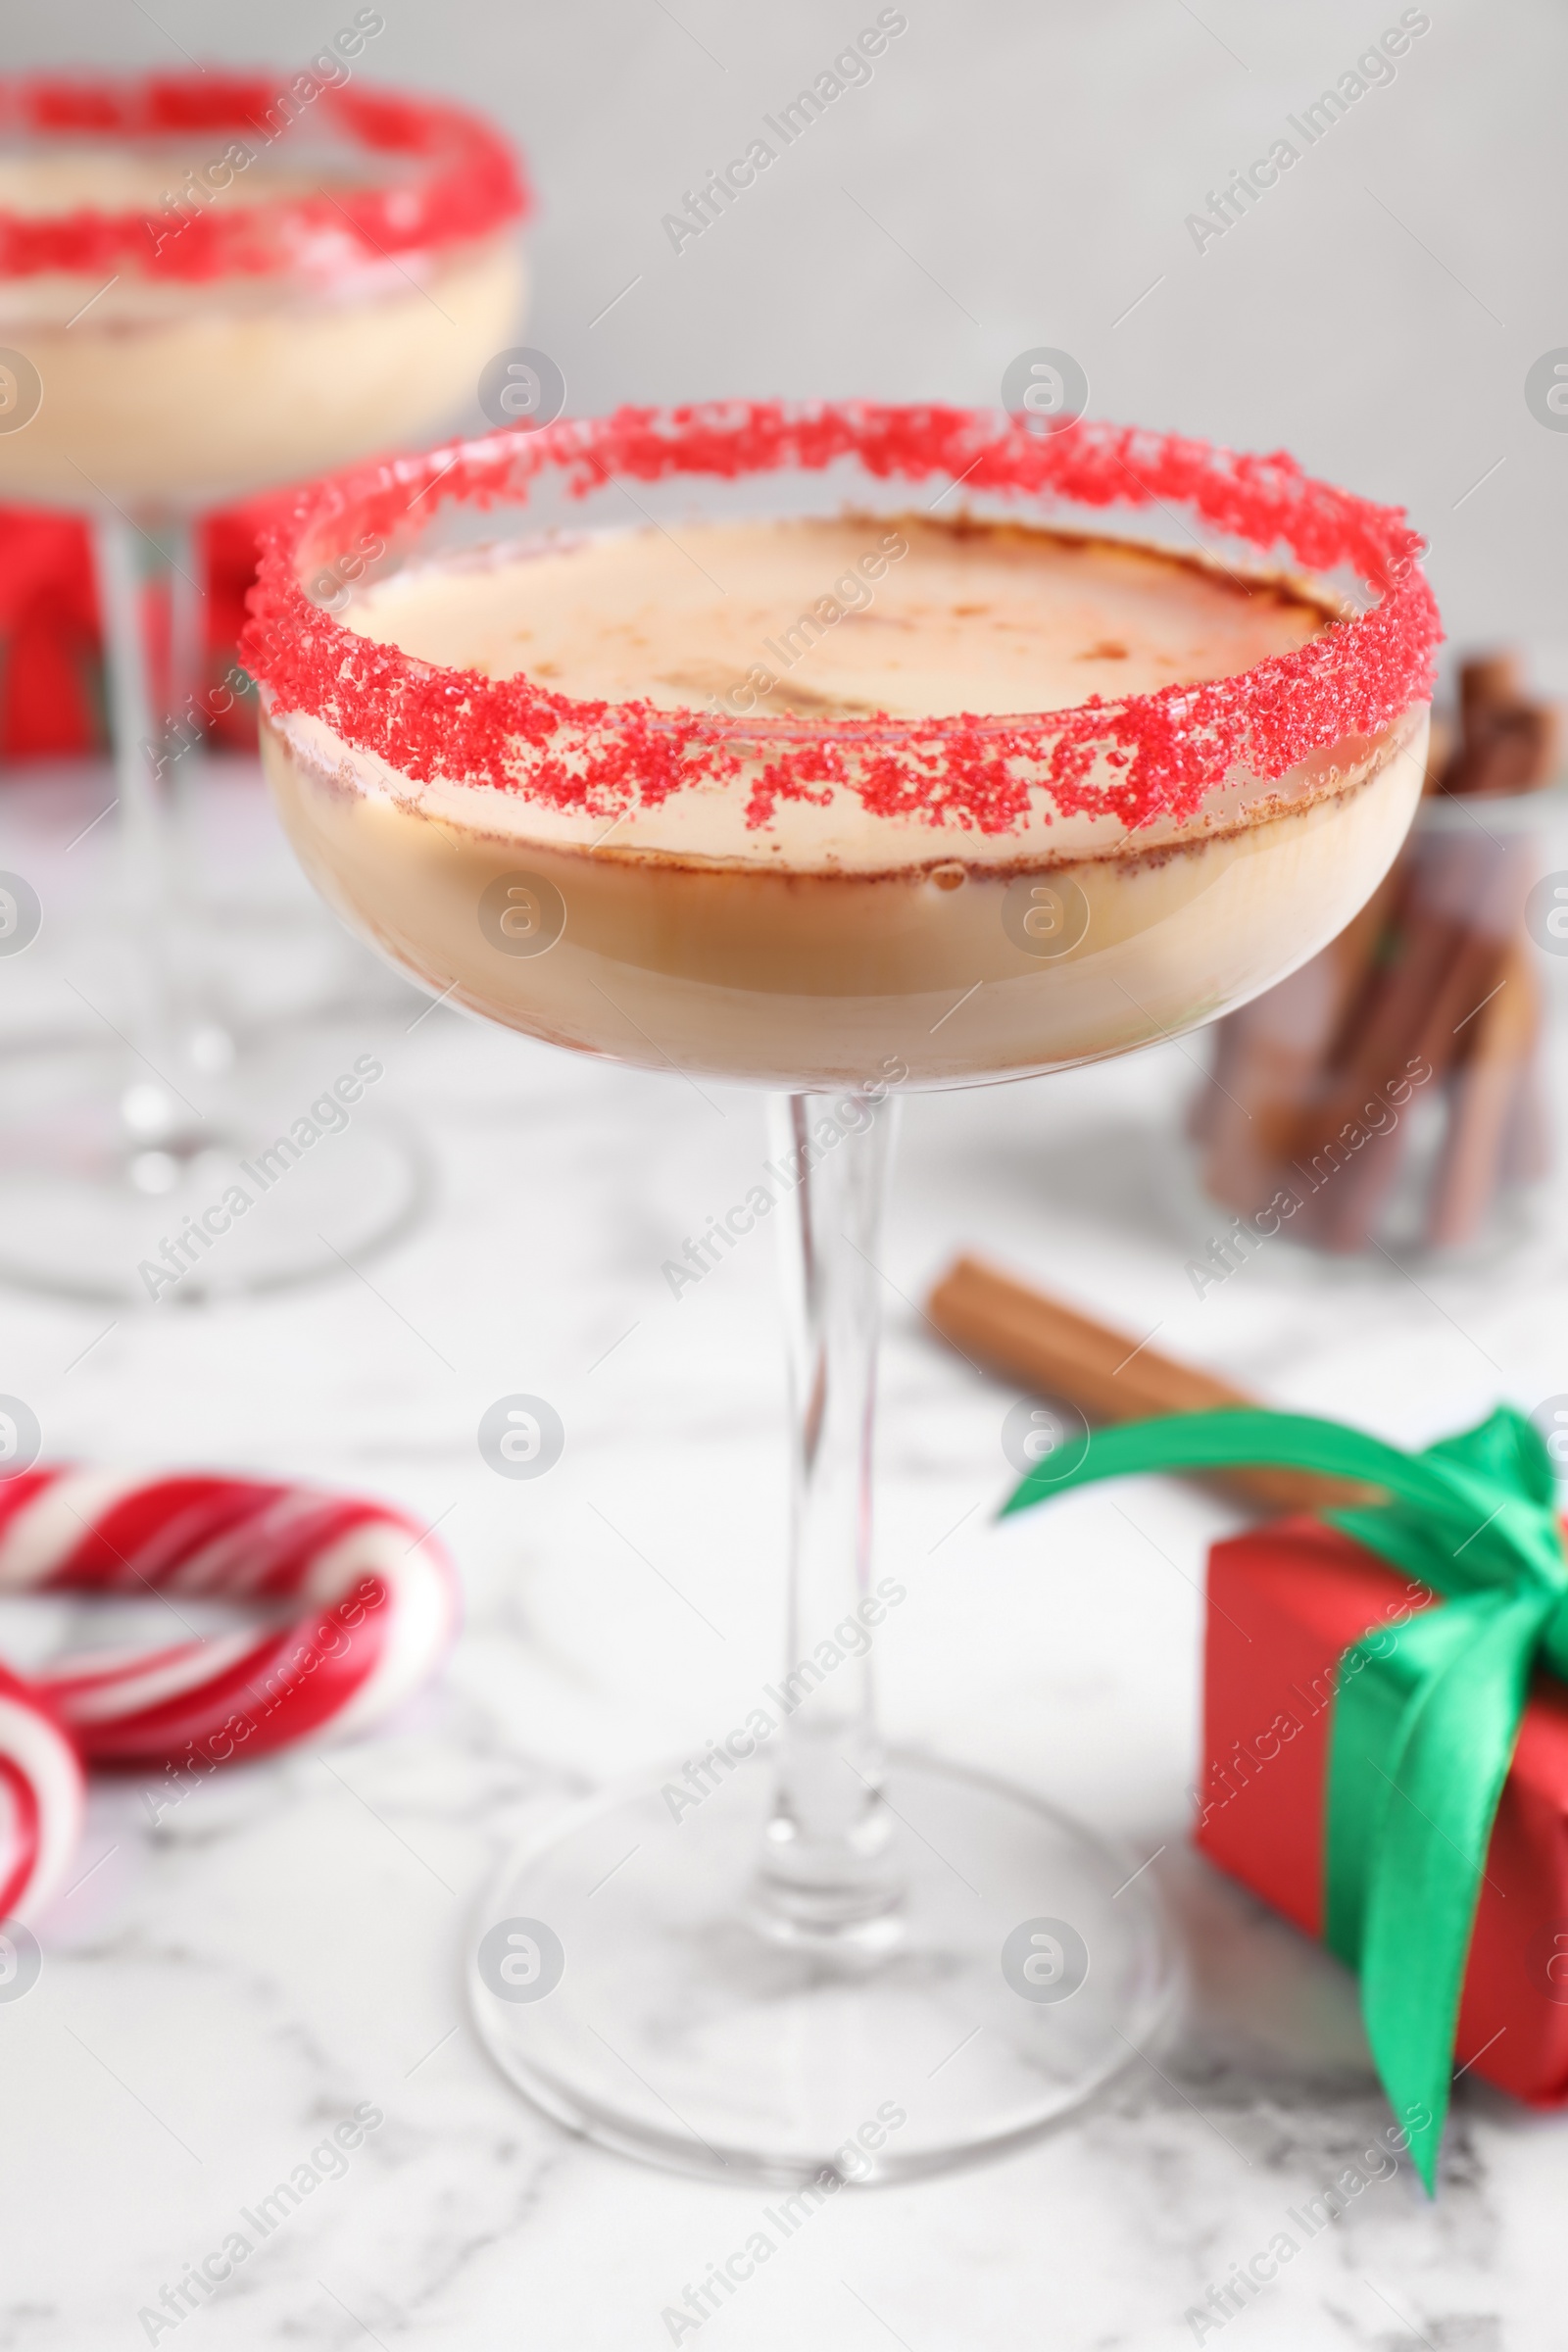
[211, 285]
[800, 1958]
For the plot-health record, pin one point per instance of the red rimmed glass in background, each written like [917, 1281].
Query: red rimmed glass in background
[835, 901]
[211, 285]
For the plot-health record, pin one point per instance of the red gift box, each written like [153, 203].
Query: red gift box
[1284, 1603]
[52, 700]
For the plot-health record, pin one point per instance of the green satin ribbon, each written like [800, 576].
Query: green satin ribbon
[1425, 1712]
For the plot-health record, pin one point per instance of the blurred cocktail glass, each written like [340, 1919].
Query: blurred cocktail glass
[209, 287]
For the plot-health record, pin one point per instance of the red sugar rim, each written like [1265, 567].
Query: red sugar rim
[1166, 749]
[470, 183]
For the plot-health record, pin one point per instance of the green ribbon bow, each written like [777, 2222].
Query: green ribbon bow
[1426, 1718]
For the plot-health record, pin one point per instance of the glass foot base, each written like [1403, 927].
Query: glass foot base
[106, 1199]
[626, 1977]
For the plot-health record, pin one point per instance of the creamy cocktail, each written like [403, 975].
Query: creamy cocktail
[807, 948]
[803, 779]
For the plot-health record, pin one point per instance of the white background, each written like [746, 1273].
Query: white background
[1029, 167]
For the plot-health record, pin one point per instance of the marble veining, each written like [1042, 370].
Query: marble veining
[233, 1974]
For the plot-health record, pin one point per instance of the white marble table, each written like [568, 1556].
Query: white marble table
[226, 1983]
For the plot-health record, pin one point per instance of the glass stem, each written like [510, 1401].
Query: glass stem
[151, 1108]
[185, 744]
[829, 1872]
[205, 1033]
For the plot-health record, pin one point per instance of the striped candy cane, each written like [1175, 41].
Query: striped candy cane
[41, 1794]
[361, 1604]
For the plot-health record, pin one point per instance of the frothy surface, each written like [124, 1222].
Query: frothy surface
[833, 618]
[838, 617]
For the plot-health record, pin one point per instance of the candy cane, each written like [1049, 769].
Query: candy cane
[379, 1595]
[41, 1794]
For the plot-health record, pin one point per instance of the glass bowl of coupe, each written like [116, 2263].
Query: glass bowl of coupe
[211, 285]
[795, 785]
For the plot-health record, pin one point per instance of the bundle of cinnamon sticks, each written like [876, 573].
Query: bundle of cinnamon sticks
[1421, 1019]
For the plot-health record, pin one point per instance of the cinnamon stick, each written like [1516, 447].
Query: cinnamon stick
[1464, 904]
[1470, 974]
[1508, 742]
[1487, 1089]
[1054, 1350]
[1489, 682]
[1511, 750]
